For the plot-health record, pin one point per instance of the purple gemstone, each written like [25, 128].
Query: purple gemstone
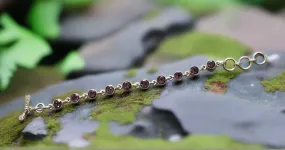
[74, 98]
[211, 64]
[194, 71]
[57, 104]
[161, 80]
[110, 90]
[178, 76]
[144, 84]
[127, 86]
[92, 94]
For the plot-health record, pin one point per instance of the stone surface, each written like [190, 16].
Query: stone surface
[252, 26]
[134, 41]
[247, 85]
[217, 114]
[36, 130]
[102, 19]
[220, 114]
[75, 125]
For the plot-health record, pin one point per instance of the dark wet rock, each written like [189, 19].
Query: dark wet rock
[151, 123]
[130, 46]
[264, 32]
[35, 130]
[75, 125]
[206, 113]
[102, 19]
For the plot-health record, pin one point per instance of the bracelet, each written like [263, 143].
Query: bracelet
[244, 63]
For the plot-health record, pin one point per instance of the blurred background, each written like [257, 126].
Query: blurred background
[44, 42]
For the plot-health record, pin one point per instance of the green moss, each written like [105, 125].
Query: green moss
[105, 139]
[131, 73]
[217, 83]
[275, 84]
[123, 107]
[198, 43]
[10, 128]
[199, 7]
[152, 70]
[152, 14]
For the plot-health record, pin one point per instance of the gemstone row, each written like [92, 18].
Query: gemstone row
[143, 84]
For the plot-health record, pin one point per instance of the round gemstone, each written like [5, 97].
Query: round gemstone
[127, 86]
[57, 104]
[178, 76]
[92, 94]
[161, 80]
[194, 71]
[211, 64]
[144, 84]
[74, 98]
[110, 90]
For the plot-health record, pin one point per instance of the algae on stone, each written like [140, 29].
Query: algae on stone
[124, 106]
[199, 43]
[152, 70]
[275, 84]
[131, 73]
[105, 139]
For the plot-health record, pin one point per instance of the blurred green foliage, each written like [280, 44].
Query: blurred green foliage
[201, 7]
[44, 15]
[72, 62]
[43, 18]
[18, 47]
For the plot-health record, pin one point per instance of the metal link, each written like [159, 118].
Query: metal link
[170, 77]
[84, 96]
[102, 92]
[153, 82]
[118, 87]
[40, 107]
[186, 74]
[203, 67]
[136, 84]
[67, 100]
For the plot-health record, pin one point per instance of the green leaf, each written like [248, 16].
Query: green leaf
[44, 18]
[78, 3]
[26, 51]
[72, 62]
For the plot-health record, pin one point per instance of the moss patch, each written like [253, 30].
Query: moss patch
[131, 73]
[123, 107]
[275, 84]
[198, 43]
[11, 127]
[199, 7]
[217, 83]
[152, 70]
[193, 141]
[152, 14]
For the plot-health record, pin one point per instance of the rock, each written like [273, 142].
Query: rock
[35, 130]
[102, 19]
[75, 125]
[252, 26]
[182, 108]
[206, 113]
[157, 124]
[247, 85]
[135, 42]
